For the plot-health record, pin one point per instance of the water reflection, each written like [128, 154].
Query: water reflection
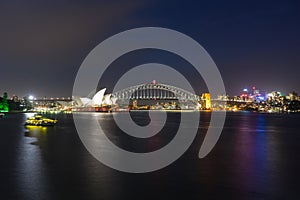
[255, 158]
[250, 153]
[31, 174]
[34, 131]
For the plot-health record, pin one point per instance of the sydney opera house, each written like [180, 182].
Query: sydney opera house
[149, 96]
[99, 102]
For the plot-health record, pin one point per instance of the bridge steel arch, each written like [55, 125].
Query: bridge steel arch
[155, 91]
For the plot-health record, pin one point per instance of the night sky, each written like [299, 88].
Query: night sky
[253, 43]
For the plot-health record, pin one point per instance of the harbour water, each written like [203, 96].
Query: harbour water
[256, 157]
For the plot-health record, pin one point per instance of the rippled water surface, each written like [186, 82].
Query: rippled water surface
[257, 157]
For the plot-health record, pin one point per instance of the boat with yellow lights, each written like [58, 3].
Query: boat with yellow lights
[39, 120]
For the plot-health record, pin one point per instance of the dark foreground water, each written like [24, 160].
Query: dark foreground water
[257, 157]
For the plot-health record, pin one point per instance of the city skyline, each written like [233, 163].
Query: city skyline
[246, 90]
[149, 99]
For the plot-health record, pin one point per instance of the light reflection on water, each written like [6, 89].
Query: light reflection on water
[30, 180]
[250, 154]
[255, 158]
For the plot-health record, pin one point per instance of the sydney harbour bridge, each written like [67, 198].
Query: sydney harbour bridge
[155, 91]
[158, 96]
[144, 96]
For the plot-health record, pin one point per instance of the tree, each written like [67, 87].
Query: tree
[4, 107]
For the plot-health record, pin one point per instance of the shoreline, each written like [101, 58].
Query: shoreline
[174, 111]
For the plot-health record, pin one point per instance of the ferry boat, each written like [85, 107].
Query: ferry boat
[39, 120]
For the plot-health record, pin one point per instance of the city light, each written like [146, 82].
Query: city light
[151, 97]
[31, 97]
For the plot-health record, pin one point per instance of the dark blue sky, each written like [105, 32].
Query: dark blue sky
[42, 44]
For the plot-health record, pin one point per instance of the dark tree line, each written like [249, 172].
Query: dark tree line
[4, 106]
[14, 105]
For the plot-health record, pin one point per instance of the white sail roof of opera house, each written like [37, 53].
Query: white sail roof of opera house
[107, 100]
[86, 101]
[97, 100]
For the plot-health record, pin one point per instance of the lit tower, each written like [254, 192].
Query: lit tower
[206, 101]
